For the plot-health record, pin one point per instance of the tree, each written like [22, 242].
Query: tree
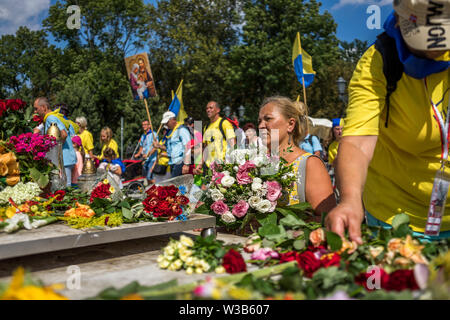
[262, 63]
[191, 40]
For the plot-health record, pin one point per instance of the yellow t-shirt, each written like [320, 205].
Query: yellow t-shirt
[332, 151]
[290, 197]
[87, 141]
[407, 154]
[113, 145]
[215, 144]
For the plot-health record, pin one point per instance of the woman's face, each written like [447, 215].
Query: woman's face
[103, 136]
[250, 133]
[273, 126]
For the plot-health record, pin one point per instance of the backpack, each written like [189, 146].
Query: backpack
[222, 132]
[392, 66]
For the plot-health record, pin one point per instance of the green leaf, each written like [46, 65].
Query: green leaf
[125, 204]
[203, 209]
[268, 229]
[300, 206]
[269, 219]
[399, 220]
[299, 244]
[285, 212]
[402, 231]
[333, 240]
[126, 212]
[292, 221]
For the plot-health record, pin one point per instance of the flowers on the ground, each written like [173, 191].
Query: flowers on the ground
[233, 262]
[19, 193]
[81, 210]
[18, 289]
[165, 201]
[102, 190]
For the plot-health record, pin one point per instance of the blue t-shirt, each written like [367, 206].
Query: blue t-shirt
[311, 144]
[69, 155]
[117, 162]
[176, 145]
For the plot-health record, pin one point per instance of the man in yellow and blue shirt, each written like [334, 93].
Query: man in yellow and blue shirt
[391, 165]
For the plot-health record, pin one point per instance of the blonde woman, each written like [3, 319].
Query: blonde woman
[86, 137]
[283, 125]
[107, 141]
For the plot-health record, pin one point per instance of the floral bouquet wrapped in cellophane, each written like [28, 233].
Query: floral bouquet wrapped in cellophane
[247, 186]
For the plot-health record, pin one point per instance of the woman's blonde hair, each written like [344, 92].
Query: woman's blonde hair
[292, 109]
[108, 132]
[82, 121]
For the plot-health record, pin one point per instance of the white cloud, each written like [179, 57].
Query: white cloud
[16, 13]
[343, 3]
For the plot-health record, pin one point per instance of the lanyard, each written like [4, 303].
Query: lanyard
[443, 125]
[441, 181]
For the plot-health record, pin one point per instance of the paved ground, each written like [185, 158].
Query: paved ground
[107, 265]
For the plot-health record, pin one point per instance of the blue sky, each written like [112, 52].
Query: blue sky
[350, 15]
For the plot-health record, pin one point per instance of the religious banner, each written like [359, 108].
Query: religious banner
[140, 76]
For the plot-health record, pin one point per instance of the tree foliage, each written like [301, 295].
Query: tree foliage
[236, 52]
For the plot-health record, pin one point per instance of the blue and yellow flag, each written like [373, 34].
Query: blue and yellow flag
[176, 106]
[302, 63]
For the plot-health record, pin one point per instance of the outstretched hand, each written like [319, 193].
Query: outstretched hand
[346, 217]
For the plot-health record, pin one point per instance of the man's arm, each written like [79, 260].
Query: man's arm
[352, 163]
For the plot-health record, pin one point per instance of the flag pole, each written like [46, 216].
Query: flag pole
[304, 91]
[149, 118]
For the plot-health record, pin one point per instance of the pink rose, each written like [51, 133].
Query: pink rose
[243, 177]
[217, 177]
[240, 209]
[219, 207]
[273, 190]
[247, 166]
[264, 253]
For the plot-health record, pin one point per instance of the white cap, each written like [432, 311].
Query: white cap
[425, 24]
[167, 116]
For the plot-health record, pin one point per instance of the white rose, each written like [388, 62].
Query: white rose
[259, 161]
[228, 217]
[186, 241]
[216, 195]
[236, 168]
[228, 181]
[257, 180]
[256, 187]
[227, 173]
[254, 201]
[264, 206]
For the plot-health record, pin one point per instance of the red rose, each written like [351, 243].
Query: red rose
[172, 191]
[369, 278]
[308, 262]
[37, 119]
[233, 262]
[2, 107]
[162, 193]
[60, 195]
[152, 191]
[163, 209]
[15, 104]
[401, 280]
[288, 256]
[328, 261]
[182, 200]
[150, 204]
[176, 210]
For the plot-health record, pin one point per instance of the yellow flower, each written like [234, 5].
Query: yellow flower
[164, 264]
[410, 247]
[189, 261]
[189, 271]
[10, 212]
[106, 181]
[240, 294]
[394, 244]
[16, 290]
[184, 255]
[177, 264]
[133, 296]
[111, 189]
[186, 241]
[199, 270]
[375, 251]
[220, 270]
[216, 294]
[348, 246]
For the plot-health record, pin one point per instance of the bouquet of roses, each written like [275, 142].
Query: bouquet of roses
[14, 118]
[165, 202]
[248, 184]
[103, 190]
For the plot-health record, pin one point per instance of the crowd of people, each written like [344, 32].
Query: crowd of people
[390, 155]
